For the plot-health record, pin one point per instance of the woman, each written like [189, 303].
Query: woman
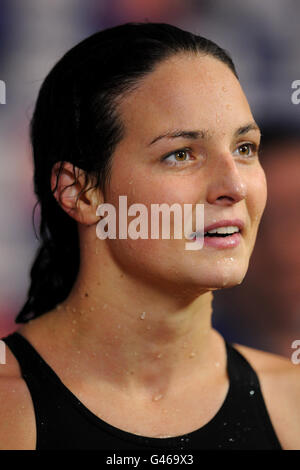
[117, 350]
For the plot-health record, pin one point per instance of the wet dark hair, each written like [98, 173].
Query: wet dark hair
[76, 120]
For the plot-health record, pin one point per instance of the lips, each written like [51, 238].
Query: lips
[230, 241]
[218, 241]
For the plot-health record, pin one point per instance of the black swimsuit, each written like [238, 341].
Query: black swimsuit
[63, 422]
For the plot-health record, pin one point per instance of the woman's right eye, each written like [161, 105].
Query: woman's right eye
[178, 157]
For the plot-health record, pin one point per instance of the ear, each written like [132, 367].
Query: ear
[67, 187]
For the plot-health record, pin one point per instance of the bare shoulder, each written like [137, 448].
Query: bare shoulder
[17, 420]
[279, 379]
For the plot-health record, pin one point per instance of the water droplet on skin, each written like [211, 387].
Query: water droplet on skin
[78, 352]
[224, 88]
[157, 397]
[130, 182]
[148, 327]
[73, 331]
[74, 322]
[92, 309]
[143, 315]
[217, 364]
[192, 354]
[119, 326]
[159, 355]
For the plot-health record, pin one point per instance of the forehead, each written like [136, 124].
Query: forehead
[186, 90]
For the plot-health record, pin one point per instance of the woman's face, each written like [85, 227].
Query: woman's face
[218, 167]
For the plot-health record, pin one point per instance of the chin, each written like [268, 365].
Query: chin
[218, 277]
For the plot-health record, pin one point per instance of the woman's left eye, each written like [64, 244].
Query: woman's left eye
[247, 150]
[177, 157]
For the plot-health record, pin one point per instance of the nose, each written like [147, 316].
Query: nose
[226, 185]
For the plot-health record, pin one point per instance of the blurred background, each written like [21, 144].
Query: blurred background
[263, 39]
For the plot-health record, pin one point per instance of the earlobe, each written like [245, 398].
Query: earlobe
[67, 182]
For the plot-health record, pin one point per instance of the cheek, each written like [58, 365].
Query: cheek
[141, 185]
[148, 257]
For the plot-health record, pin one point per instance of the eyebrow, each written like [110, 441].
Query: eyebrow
[203, 134]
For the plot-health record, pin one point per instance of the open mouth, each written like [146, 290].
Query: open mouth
[220, 237]
[213, 237]
[223, 231]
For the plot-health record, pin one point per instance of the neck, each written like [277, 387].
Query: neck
[149, 337]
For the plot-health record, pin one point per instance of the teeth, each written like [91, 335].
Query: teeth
[229, 229]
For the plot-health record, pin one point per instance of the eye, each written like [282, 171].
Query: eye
[178, 157]
[247, 149]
